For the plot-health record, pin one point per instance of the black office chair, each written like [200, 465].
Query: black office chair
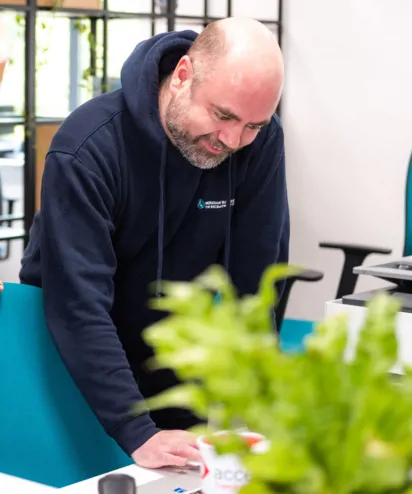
[356, 254]
[293, 331]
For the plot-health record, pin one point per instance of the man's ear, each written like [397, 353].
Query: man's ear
[2, 67]
[182, 75]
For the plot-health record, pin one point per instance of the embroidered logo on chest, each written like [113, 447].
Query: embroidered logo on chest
[202, 204]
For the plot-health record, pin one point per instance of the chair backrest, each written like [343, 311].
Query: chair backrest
[48, 434]
[407, 249]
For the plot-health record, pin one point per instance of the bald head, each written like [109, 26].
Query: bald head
[223, 91]
[238, 45]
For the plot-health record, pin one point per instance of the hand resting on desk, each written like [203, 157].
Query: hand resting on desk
[167, 448]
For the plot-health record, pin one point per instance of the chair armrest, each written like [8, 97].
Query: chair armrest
[308, 275]
[354, 254]
[356, 248]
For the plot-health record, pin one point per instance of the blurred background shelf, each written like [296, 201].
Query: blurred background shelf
[55, 4]
[63, 53]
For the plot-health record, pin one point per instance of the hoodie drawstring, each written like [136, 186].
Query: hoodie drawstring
[229, 217]
[161, 218]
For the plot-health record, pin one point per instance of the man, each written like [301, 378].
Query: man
[181, 168]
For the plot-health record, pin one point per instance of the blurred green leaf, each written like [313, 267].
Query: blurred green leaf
[336, 423]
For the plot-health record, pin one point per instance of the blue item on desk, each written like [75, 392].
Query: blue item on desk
[293, 333]
[48, 434]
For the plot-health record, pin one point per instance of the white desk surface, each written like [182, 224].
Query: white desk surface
[14, 485]
[142, 476]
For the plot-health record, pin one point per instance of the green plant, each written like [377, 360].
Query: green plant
[335, 425]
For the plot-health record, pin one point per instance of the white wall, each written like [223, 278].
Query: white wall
[347, 112]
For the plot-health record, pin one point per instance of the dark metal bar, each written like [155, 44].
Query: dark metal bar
[199, 19]
[280, 33]
[205, 12]
[20, 8]
[229, 8]
[280, 22]
[142, 15]
[49, 120]
[105, 79]
[66, 11]
[92, 46]
[74, 71]
[171, 15]
[8, 121]
[30, 118]
[105, 20]
[153, 29]
[135, 15]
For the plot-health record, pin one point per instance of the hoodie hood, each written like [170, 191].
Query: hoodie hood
[142, 73]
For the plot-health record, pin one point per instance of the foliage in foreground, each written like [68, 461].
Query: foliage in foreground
[335, 426]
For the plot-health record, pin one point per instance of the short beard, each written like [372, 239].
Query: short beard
[189, 145]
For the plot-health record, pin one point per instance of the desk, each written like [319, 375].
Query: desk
[14, 485]
[356, 317]
[89, 486]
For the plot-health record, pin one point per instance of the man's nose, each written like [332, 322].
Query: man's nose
[231, 137]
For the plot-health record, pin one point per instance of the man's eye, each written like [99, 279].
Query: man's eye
[222, 117]
[254, 127]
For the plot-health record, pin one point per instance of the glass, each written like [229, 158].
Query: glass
[188, 24]
[161, 26]
[11, 119]
[133, 6]
[12, 174]
[180, 25]
[190, 7]
[52, 68]
[258, 9]
[218, 8]
[123, 36]
[64, 75]
[12, 48]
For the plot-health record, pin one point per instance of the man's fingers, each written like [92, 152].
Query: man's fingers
[173, 460]
[193, 443]
[167, 448]
[188, 452]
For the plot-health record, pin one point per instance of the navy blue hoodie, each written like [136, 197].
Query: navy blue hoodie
[121, 208]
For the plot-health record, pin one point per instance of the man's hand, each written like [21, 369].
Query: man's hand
[167, 448]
